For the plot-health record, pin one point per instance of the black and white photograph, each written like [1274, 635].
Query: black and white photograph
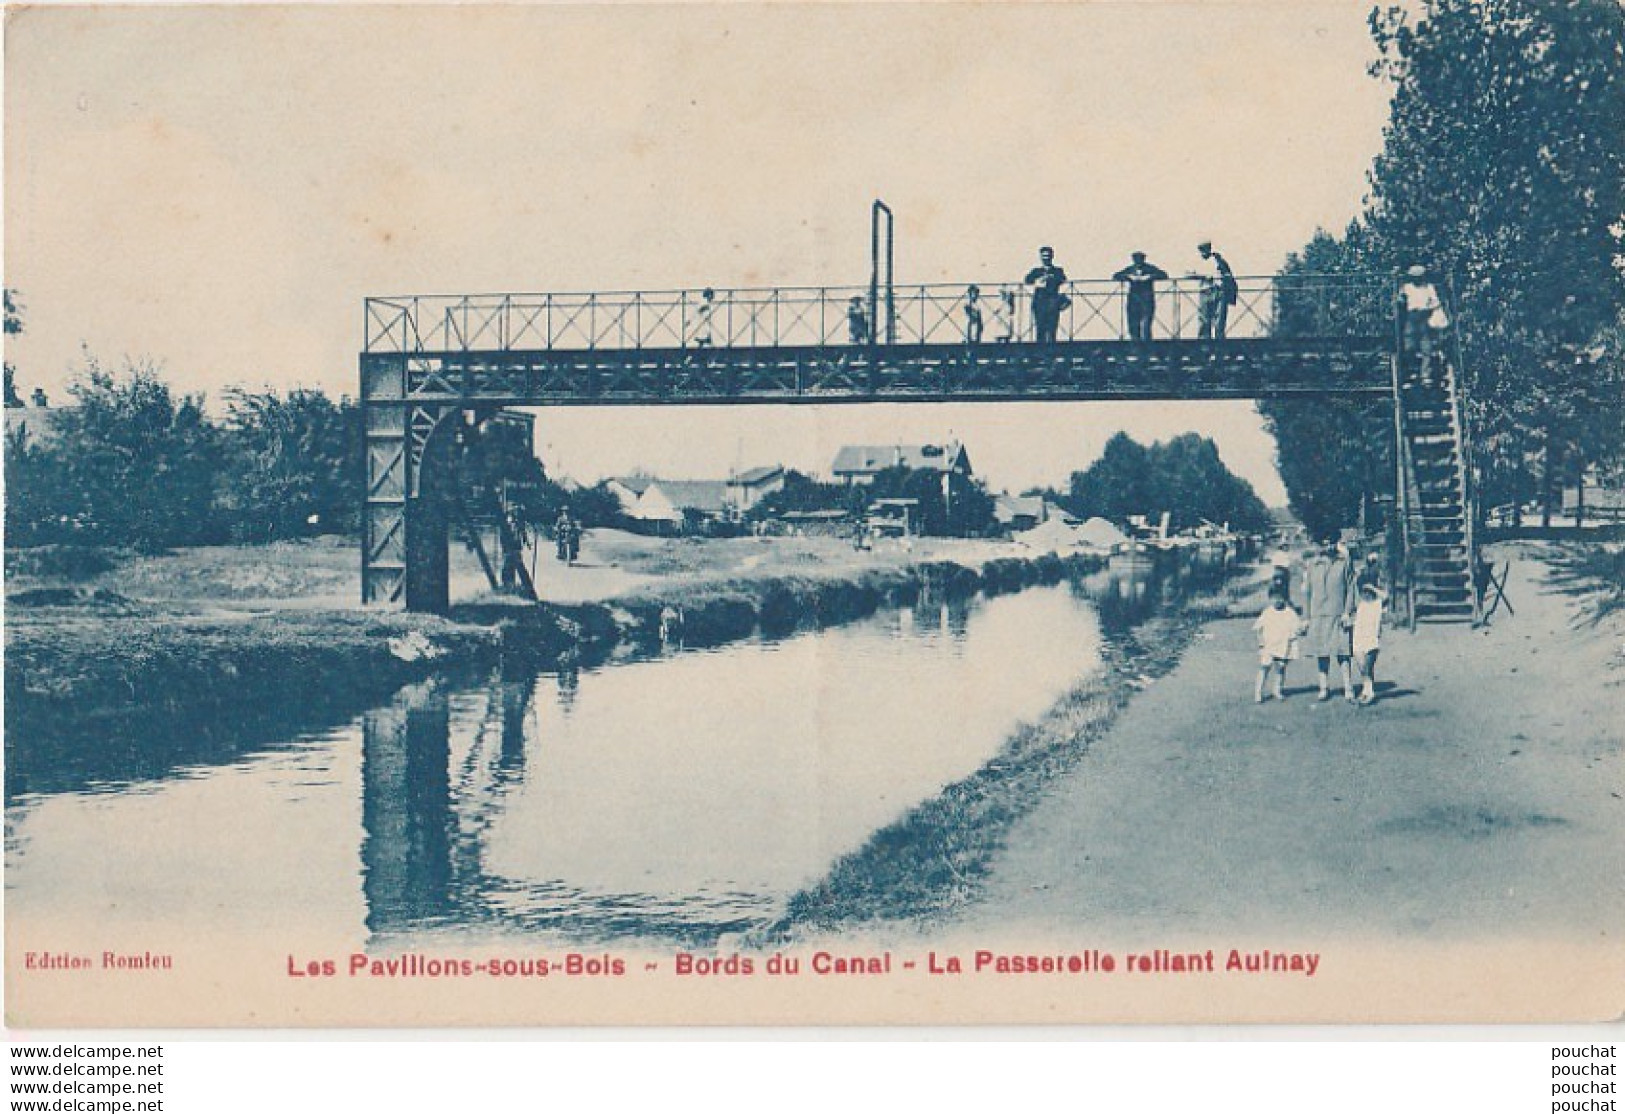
[814, 514]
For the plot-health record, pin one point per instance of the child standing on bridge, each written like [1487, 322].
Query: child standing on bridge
[1277, 627]
[1004, 316]
[857, 321]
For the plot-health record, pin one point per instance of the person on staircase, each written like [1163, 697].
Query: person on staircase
[1425, 321]
[1329, 600]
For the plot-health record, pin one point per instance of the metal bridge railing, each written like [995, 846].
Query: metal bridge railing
[821, 316]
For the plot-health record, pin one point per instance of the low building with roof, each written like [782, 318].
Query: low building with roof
[35, 423]
[894, 518]
[1015, 513]
[674, 502]
[747, 488]
[629, 489]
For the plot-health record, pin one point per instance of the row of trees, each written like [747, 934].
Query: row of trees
[1183, 477]
[1503, 170]
[131, 463]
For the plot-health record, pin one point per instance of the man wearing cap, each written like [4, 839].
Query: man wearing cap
[1218, 293]
[1419, 301]
[1142, 279]
[1046, 281]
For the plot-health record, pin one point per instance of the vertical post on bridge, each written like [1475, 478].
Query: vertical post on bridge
[877, 258]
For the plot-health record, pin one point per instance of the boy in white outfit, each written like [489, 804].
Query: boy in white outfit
[1277, 626]
[1367, 634]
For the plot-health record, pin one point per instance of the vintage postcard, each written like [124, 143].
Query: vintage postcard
[814, 514]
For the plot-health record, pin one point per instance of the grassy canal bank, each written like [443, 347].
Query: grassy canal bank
[934, 861]
[1481, 790]
[120, 667]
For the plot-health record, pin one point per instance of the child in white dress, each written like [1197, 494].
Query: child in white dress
[1277, 626]
[1367, 634]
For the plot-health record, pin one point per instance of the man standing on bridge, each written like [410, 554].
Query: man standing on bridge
[1218, 293]
[1142, 279]
[973, 315]
[1046, 281]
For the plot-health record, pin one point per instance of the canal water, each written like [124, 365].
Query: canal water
[671, 798]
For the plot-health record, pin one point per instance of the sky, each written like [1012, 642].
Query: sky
[217, 189]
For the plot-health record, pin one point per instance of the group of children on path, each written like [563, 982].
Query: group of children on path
[1341, 620]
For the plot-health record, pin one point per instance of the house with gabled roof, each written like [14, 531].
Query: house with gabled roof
[629, 489]
[1015, 513]
[747, 488]
[860, 464]
[671, 502]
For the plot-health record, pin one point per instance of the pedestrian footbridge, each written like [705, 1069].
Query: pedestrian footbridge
[430, 358]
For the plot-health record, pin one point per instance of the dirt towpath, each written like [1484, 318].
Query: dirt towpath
[1481, 797]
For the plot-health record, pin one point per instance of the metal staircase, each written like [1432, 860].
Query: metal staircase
[1436, 494]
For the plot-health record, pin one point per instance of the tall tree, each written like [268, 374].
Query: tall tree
[1502, 169]
[1117, 485]
[1335, 455]
[131, 464]
[1183, 477]
[1191, 483]
[293, 464]
[13, 326]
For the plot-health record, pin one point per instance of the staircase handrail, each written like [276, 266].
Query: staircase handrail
[1469, 484]
[1402, 475]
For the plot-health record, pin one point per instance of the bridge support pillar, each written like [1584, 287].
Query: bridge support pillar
[405, 529]
[406, 814]
[428, 555]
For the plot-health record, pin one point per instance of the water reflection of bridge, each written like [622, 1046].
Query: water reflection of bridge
[430, 799]
[430, 357]
[441, 767]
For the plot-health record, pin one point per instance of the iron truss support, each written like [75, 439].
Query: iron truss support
[1108, 370]
[397, 430]
[406, 396]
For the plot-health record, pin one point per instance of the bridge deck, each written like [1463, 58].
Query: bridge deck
[827, 374]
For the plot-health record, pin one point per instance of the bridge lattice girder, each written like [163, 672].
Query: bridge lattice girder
[405, 395]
